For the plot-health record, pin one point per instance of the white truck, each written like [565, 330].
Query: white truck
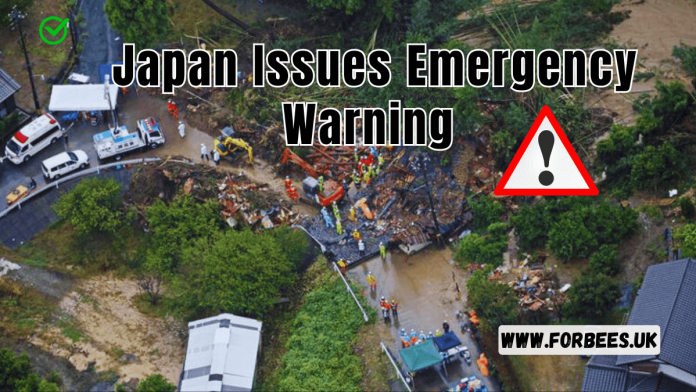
[116, 142]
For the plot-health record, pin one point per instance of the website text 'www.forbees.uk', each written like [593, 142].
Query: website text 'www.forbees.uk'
[579, 340]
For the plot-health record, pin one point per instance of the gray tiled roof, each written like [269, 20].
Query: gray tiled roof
[646, 384]
[8, 86]
[668, 299]
[668, 384]
[604, 378]
[602, 374]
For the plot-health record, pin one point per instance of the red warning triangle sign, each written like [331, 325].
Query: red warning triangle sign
[546, 164]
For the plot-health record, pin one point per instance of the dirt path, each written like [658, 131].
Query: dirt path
[100, 325]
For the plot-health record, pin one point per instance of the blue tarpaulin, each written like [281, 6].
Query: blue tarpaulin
[447, 341]
[105, 69]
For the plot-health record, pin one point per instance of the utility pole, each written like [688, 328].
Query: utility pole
[421, 162]
[108, 99]
[17, 17]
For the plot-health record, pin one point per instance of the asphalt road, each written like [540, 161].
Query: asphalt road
[102, 44]
[79, 138]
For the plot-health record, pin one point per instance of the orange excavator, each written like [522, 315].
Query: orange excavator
[289, 156]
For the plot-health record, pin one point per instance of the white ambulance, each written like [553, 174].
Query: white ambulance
[33, 138]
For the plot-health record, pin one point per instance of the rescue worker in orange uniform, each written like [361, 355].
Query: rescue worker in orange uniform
[292, 194]
[288, 182]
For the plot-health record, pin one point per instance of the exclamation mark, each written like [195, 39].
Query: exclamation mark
[546, 141]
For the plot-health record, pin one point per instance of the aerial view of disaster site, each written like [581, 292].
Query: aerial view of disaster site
[346, 195]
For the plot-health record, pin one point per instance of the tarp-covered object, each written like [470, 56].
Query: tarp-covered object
[105, 69]
[82, 97]
[447, 341]
[421, 356]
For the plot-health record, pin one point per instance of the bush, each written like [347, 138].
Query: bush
[592, 296]
[687, 54]
[155, 383]
[16, 375]
[573, 227]
[486, 210]
[93, 206]
[605, 260]
[686, 235]
[480, 249]
[688, 209]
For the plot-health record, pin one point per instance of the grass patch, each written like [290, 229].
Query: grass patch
[70, 329]
[653, 212]
[22, 309]
[163, 308]
[86, 298]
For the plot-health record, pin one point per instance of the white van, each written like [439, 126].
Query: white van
[33, 138]
[64, 163]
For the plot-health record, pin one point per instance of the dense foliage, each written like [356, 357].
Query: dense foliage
[605, 260]
[155, 383]
[93, 206]
[573, 227]
[687, 54]
[16, 374]
[486, 210]
[142, 22]
[234, 272]
[687, 207]
[483, 249]
[319, 356]
[495, 303]
[686, 235]
[654, 153]
[592, 296]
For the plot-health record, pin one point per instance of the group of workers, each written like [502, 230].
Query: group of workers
[408, 340]
[291, 190]
[369, 167]
[386, 306]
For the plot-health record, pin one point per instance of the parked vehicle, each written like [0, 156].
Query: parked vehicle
[116, 142]
[59, 165]
[33, 138]
[16, 195]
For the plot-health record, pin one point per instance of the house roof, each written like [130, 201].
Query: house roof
[221, 354]
[668, 299]
[8, 86]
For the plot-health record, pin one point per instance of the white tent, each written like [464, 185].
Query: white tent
[82, 97]
[221, 354]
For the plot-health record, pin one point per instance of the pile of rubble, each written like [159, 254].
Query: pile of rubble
[534, 286]
[252, 204]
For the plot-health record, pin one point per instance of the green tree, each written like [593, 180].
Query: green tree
[688, 209]
[237, 272]
[16, 375]
[480, 249]
[293, 242]
[93, 206]
[486, 210]
[686, 235]
[592, 296]
[570, 238]
[605, 260]
[495, 303]
[687, 54]
[142, 22]
[155, 383]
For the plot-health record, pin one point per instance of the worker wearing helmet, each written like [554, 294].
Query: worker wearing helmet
[371, 280]
[288, 182]
[394, 308]
[382, 250]
[445, 326]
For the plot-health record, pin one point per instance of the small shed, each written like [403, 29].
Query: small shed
[421, 356]
[221, 354]
[8, 88]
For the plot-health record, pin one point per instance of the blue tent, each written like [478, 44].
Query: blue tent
[105, 69]
[447, 341]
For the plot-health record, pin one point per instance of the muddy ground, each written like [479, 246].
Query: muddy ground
[98, 327]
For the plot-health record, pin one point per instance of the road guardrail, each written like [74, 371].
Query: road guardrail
[82, 173]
